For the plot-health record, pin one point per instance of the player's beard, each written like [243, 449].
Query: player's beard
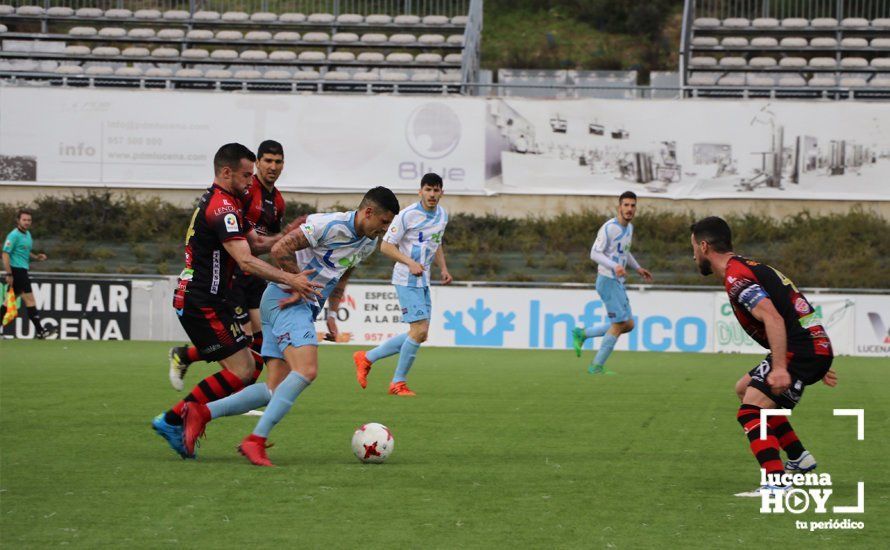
[704, 267]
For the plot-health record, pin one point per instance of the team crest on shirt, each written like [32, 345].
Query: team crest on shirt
[231, 221]
[801, 306]
[308, 228]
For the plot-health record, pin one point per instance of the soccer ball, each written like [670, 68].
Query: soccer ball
[372, 442]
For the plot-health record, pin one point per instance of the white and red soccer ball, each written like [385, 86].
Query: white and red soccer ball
[372, 443]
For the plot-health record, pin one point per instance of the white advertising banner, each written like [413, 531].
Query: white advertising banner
[873, 327]
[698, 149]
[132, 138]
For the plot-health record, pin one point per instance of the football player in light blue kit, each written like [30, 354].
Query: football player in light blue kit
[326, 248]
[414, 241]
[611, 251]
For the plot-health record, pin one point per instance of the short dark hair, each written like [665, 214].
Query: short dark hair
[21, 212]
[269, 147]
[627, 195]
[714, 231]
[431, 179]
[230, 155]
[382, 198]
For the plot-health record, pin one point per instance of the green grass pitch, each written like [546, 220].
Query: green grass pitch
[499, 449]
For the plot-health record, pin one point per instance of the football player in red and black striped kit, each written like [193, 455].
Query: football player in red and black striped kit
[263, 210]
[217, 240]
[779, 317]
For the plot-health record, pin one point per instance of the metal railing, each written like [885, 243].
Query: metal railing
[780, 9]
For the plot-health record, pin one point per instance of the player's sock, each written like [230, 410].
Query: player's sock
[282, 400]
[766, 451]
[406, 359]
[786, 436]
[606, 347]
[597, 330]
[216, 386]
[390, 347]
[251, 397]
[35, 318]
[257, 365]
[191, 354]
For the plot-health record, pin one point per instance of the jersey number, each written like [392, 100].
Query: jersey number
[785, 280]
[191, 229]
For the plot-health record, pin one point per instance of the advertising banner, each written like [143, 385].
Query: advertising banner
[873, 327]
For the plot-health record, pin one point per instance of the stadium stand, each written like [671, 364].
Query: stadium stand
[194, 47]
[786, 49]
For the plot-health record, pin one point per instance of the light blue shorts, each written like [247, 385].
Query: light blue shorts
[415, 302]
[291, 326]
[614, 296]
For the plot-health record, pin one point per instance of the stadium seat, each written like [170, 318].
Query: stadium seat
[263, 17]
[171, 34]
[822, 42]
[758, 79]
[283, 55]
[316, 37]
[371, 57]
[431, 39]
[135, 51]
[823, 62]
[373, 38]
[736, 23]
[402, 38]
[705, 41]
[159, 72]
[247, 74]
[223, 54]
[854, 43]
[189, 73]
[3, 28]
[286, 36]
[852, 82]
[218, 73]
[882, 23]
[258, 36]
[393, 76]
[854, 23]
[702, 79]
[118, 13]
[306, 75]
[454, 58]
[455, 39]
[195, 53]
[435, 20]
[6, 9]
[147, 14]
[428, 58]
[235, 16]
[880, 82]
[706, 23]
[337, 75]
[406, 20]
[292, 17]
[321, 18]
[460, 20]
[762, 62]
[229, 35]
[89, 13]
[765, 23]
[205, 15]
[175, 15]
[732, 80]
[344, 37]
[764, 42]
[793, 62]
[199, 34]
[112, 32]
[854, 62]
[106, 51]
[731, 61]
[733, 42]
[880, 43]
[366, 76]
[278, 74]
[378, 19]
[350, 18]
[29, 10]
[341, 56]
[99, 70]
[69, 70]
[824, 22]
[76, 50]
[822, 81]
[141, 33]
[792, 81]
[793, 42]
[311, 56]
[425, 76]
[56, 11]
[165, 52]
[880, 63]
[451, 76]
[82, 31]
[703, 61]
[128, 71]
[795, 23]
[399, 57]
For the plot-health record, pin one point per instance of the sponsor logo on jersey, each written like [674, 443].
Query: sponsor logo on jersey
[801, 306]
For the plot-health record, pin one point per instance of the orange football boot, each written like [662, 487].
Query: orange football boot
[400, 388]
[362, 368]
[253, 447]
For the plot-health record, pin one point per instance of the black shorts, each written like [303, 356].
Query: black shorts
[21, 281]
[211, 326]
[245, 294]
[803, 370]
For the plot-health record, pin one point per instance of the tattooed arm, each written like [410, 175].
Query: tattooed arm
[334, 305]
[283, 251]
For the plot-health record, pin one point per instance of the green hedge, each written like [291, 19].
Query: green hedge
[98, 232]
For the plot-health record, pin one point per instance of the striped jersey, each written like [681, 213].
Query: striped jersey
[417, 233]
[613, 241]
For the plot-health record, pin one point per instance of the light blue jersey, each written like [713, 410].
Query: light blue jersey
[418, 234]
[612, 248]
